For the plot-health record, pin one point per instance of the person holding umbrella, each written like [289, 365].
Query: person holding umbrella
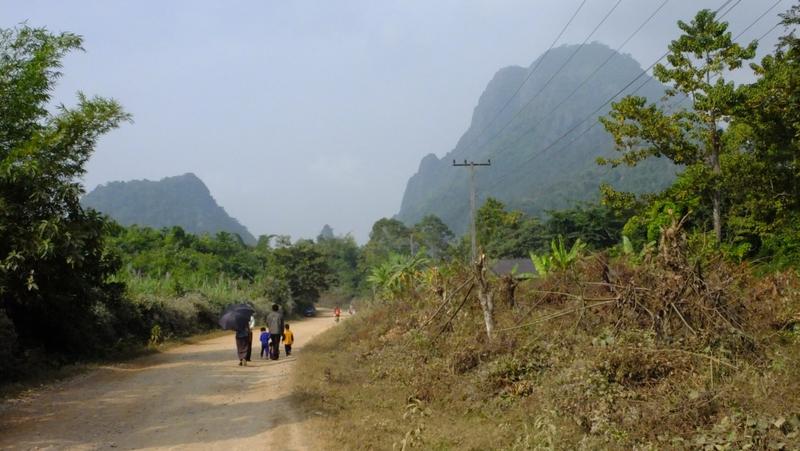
[237, 318]
[243, 344]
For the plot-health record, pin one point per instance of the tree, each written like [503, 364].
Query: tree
[386, 237]
[504, 233]
[434, 235]
[53, 267]
[342, 255]
[597, 225]
[764, 154]
[306, 270]
[690, 137]
[326, 233]
[494, 226]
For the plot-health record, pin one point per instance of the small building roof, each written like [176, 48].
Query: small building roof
[506, 266]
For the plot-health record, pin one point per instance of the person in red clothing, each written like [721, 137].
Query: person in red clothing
[337, 312]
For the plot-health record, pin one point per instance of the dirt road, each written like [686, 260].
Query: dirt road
[189, 397]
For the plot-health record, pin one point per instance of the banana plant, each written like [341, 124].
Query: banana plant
[543, 264]
[630, 250]
[563, 258]
[397, 274]
[560, 258]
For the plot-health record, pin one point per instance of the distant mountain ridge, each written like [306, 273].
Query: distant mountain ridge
[527, 173]
[183, 200]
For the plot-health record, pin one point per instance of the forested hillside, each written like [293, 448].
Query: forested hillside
[182, 201]
[527, 172]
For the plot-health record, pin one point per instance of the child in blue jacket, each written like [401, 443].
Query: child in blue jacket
[264, 342]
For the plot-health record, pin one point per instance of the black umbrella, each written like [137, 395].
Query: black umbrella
[236, 317]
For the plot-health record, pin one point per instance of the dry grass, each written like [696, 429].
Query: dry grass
[608, 356]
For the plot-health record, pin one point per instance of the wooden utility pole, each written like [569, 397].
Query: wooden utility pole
[472, 200]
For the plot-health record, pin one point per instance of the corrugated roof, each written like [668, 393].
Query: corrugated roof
[506, 266]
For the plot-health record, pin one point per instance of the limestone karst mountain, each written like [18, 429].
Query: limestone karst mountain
[528, 172]
[182, 200]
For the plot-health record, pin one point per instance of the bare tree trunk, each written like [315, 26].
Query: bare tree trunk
[485, 295]
[509, 288]
[716, 196]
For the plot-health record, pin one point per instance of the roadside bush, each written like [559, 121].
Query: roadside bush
[8, 345]
[654, 354]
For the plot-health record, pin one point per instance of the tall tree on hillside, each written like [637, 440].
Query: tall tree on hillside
[432, 233]
[326, 233]
[388, 236]
[689, 136]
[53, 268]
[504, 233]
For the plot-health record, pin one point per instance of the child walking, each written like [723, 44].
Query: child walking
[288, 339]
[264, 342]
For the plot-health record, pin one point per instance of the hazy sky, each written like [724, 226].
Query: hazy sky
[301, 113]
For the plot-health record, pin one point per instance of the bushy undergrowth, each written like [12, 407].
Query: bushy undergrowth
[149, 313]
[670, 353]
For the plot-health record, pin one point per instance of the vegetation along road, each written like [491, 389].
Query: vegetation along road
[191, 396]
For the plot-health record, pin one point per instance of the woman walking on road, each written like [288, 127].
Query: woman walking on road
[243, 344]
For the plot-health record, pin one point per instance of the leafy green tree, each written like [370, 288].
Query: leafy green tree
[53, 268]
[306, 270]
[691, 137]
[434, 235]
[503, 233]
[598, 226]
[342, 255]
[764, 158]
[492, 222]
[386, 237]
[326, 233]
[263, 243]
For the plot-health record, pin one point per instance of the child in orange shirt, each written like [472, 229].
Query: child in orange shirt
[288, 339]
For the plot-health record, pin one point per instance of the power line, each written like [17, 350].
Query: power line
[730, 9]
[759, 18]
[591, 75]
[576, 126]
[770, 30]
[682, 101]
[552, 77]
[521, 166]
[530, 73]
[596, 110]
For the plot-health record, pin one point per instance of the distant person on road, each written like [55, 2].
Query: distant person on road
[275, 326]
[337, 312]
[288, 339]
[264, 338]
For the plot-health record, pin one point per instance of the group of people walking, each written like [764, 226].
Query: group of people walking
[271, 337]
